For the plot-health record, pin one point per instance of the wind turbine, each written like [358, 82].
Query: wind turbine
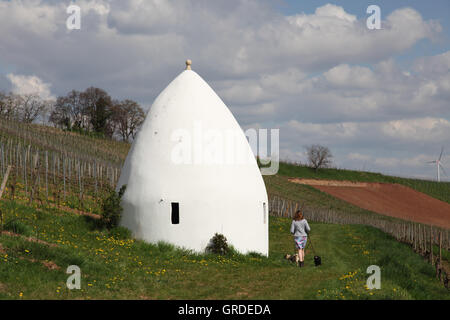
[439, 165]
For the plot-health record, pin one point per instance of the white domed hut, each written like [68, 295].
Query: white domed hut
[190, 173]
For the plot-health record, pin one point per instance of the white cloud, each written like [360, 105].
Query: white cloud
[439, 64]
[32, 17]
[344, 93]
[22, 84]
[299, 73]
[388, 133]
[358, 156]
[333, 11]
[418, 130]
[223, 37]
[387, 162]
[346, 76]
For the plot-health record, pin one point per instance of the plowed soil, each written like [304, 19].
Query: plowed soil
[393, 200]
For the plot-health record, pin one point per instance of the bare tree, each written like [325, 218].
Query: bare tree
[23, 107]
[97, 106]
[71, 103]
[61, 115]
[3, 99]
[31, 107]
[318, 156]
[128, 116]
[89, 110]
[93, 110]
[10, 105]
[70, 111]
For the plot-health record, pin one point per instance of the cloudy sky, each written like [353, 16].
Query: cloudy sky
[380, 99]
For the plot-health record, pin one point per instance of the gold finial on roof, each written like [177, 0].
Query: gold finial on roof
[188, 64]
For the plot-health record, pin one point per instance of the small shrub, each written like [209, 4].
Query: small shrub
[218, 245]
[94, 223]
[253, 254]
[112, 209]
[120, 233]
[165, 247]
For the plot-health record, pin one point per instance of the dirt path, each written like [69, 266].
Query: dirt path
[76, 211]
[393, 200]
[30, 239]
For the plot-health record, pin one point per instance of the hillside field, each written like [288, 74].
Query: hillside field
[438, 190]
[113, 267]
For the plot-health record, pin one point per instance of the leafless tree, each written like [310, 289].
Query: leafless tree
[89, 110]
[68, 111]
[9, 105]
[31, 107]
[93, 110]
[60, 116]
[318, 156]
[128, 116]
[97, 104]
[3, 103]
[23, 107]
[73, 105]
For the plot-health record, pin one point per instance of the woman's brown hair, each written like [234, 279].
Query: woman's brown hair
[298, 215]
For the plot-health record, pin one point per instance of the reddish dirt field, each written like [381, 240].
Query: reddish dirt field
[388, 199]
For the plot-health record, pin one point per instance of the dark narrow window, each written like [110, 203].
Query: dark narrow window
[264, 212]
[175, 213]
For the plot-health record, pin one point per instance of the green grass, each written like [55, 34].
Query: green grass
[313, 198]
[438, 190]
[114, 268]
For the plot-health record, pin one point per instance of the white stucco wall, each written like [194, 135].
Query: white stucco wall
[226, 198]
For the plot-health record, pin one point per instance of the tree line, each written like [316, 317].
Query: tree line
[89, 111]
[23, 107]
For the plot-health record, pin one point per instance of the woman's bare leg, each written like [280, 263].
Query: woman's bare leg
[301, 254]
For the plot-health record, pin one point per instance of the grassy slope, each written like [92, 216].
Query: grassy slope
[113, 268]
[50, 138]
[162, 272]
[311, 197]
[437, 190]
[54, 139]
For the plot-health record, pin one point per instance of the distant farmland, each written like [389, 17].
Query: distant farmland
[386, 198]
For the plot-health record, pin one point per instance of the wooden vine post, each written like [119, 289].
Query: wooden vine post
[5, 179]
[431, 245]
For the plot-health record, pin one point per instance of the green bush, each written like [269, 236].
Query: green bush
[218, 245]
[112, 209]
[253, 254]
[165, 247]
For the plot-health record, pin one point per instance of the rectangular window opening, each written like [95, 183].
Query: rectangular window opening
[264, 212]
[175, 213]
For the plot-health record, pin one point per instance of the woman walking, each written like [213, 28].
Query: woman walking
[300, 229]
